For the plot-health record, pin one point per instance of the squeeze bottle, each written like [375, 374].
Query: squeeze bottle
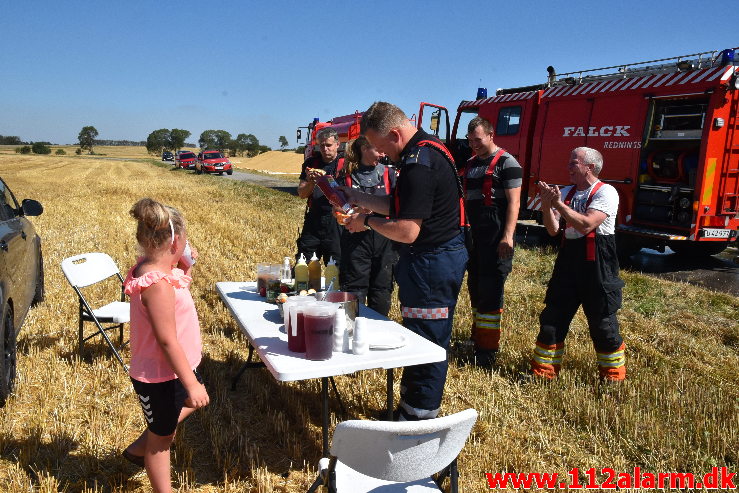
[336, 197]
[301, 274]
[331, 273]
[314, 273]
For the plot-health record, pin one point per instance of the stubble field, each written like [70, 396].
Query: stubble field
[69, 418]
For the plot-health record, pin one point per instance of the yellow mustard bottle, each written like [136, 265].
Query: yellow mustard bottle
[331, 273]
[301, 274]
[314, 273]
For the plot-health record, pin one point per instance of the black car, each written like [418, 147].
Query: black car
[21, 277]
[167, 156]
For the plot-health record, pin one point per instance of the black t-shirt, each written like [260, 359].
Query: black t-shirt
[319, 204]
[427, 190]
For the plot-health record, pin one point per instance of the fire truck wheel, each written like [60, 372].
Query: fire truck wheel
[698, 249]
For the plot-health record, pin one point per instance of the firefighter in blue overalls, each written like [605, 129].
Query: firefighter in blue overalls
[320, 234]
[424, 218]
[586, 270]
[492, 187]
[368, 258]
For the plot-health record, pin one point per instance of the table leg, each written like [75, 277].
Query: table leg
[338, 396]
[248, 364]
[390, 395]
[324, 412]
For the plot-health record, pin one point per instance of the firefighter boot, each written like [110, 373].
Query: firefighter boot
[612, 365]
[487, 337]
[547, 360]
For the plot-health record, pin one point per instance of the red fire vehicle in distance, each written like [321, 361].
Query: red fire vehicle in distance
[669, 133]
[213, 162]
[347, 127]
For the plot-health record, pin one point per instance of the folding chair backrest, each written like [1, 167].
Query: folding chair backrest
[88, 268]
[402, 451]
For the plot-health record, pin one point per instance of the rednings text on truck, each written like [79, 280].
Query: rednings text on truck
[347, 127]
[668, 131]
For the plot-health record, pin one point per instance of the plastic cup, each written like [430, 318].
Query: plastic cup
[319, 330]
[295, 327]
[273, 282]
[262, 276]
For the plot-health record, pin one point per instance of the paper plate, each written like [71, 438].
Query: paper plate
[385, 340]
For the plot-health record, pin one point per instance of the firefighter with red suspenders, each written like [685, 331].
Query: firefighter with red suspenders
[586, 270]
[368, 258]
[320, 234]
[424, 218]
[492, 186]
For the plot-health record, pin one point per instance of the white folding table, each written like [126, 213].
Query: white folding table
[263, 326]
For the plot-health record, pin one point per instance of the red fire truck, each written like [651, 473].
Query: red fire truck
[669, 133]
[348, 126]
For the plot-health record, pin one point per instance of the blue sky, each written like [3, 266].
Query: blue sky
[266, 68]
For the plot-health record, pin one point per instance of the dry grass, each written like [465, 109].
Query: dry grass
[70, 417]
[271, 162]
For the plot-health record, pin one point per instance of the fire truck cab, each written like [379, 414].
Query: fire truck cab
[668, 131]
[347, 126]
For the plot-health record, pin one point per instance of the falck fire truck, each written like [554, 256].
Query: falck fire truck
[668, 131]
[347, 126]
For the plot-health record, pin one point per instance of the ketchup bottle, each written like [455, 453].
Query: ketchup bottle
[330, 189]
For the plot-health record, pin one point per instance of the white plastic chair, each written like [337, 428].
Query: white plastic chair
[88, 269]
[392, 456]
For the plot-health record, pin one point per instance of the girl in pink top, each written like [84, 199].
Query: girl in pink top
[165, 337]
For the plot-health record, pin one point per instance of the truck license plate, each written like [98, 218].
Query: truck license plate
[715, 233]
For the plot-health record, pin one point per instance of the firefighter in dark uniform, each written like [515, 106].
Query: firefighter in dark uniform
[424, 218]
[586, 270]
[320, 234]
[492, 185]
[368, 257]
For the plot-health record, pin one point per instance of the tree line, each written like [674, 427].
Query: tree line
[221, 140]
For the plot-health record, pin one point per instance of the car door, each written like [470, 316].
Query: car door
[16, 248]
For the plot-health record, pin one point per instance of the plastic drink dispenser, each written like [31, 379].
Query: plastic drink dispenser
[314, 273]
[296, 330]
[319, 329]
[331, 273]
[301, 274]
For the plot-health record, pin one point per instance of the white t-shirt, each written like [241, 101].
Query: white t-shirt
[605, 200]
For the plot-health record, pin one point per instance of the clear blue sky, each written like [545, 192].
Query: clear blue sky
[265, 68]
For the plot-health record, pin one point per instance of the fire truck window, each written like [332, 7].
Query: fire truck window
[508, 121]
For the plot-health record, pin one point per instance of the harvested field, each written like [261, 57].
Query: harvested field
[271, 162]
[70, 417]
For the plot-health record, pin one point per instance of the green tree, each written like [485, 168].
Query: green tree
[283, 142]
[157, 141]
[40, 148]
[223, 140]
[207, 140]
[252, 145]
[60, 152]
[87, 137]
[177, 138]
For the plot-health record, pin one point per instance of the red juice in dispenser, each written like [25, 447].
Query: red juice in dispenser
[295, 331]
[319, 330]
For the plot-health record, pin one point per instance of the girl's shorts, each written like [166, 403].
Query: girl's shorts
[162, 403]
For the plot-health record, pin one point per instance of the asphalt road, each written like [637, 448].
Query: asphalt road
[719, 272]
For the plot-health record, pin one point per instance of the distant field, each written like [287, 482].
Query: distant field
[270, 162]
[69, 418]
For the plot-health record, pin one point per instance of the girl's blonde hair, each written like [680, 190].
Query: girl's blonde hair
[154, 219]
[353, 155]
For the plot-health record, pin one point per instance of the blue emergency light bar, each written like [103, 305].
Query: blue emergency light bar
[482, 92]
[727, 57]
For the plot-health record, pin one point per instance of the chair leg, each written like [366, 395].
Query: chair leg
[316, 484]
[454, 476]
[120, 335]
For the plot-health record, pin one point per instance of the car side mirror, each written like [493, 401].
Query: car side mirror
[32, 207]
